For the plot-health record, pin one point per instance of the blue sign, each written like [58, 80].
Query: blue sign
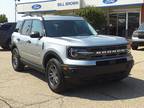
[109, 1]
[36, 6]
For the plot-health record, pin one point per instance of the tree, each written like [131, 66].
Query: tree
[96, 16]
[3, 18]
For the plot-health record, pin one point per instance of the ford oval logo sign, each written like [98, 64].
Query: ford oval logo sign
[36, 6]
[109, 1]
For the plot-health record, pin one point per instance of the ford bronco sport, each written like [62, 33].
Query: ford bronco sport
[67, 48]
[138, 37]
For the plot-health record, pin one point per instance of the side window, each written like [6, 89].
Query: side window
[26, 27]
[37, 27]
[18, 26]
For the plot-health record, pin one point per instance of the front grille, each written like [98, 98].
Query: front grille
[141, 36]
[110, 62]
[108, 51]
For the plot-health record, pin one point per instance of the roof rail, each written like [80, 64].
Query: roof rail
[25, 15]
[31, 15]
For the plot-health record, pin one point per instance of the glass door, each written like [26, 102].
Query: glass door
[121, 24]
[113, 24]
[118, 24]
[133, 22]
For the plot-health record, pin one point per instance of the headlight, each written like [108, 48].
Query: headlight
[129, 47]
[79, 53]
[135, 34]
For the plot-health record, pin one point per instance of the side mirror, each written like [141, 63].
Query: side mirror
[35, 35]
[16, 30]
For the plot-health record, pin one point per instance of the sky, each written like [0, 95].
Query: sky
[8, 7]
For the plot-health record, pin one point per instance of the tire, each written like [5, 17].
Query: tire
[4, 47]
[54, 76]
[8, 46]
[134, 46]
[16, 62]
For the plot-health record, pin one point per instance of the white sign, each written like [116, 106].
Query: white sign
[106, 3]
[36, 6]
[49, 5]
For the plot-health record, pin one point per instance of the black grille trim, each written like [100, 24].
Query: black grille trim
[106, 48]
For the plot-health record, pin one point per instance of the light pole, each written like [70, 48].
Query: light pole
[16, 9]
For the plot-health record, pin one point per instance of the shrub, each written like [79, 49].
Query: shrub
[95, 16]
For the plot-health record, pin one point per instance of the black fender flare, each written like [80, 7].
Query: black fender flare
[49, 55]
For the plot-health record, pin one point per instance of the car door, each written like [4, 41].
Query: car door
[23, 39]
[34, 47]
[17, 36]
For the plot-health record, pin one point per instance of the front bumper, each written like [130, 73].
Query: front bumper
[106, 68]
[137, 41]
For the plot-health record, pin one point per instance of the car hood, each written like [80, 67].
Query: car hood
[99, 40]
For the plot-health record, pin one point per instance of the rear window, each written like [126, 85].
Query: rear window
[19, 25]
[5, 27]
[26, 27]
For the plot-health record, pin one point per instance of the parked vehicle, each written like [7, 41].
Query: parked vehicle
[6, 31]
[67, 48]
[138, 37]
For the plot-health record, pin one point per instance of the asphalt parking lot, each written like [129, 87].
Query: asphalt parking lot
[29, 90]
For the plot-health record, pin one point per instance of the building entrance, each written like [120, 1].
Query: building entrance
[123, 24]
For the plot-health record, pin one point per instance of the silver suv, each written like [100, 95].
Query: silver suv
[138, 37]
[67, 48]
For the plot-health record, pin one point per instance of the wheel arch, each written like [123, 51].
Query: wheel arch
[13, 46]
[49, 55]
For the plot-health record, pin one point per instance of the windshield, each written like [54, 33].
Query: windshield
[141, 27]
[67, 28]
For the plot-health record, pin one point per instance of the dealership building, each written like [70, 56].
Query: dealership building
[123, 16]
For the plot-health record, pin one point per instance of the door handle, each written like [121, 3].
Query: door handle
[29, 41]
[18, 39]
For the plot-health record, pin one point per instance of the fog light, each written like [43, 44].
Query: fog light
[65, 68]
[129, 46]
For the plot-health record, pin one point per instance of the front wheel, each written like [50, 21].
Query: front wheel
[54, 76]
[134, 46]
[16, 62]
